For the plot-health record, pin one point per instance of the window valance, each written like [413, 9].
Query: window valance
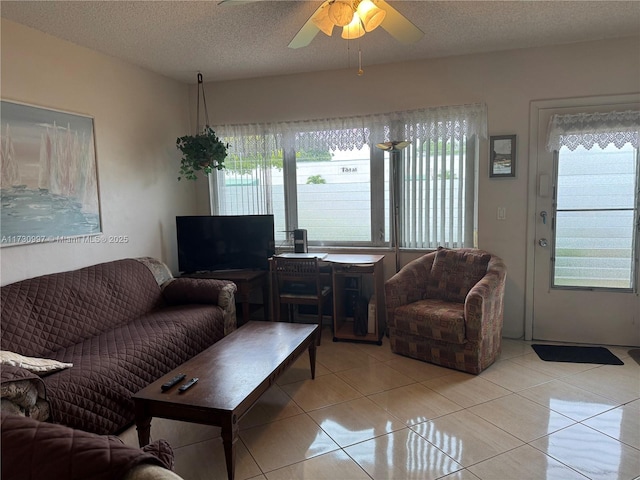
[348, 133]
[589, 129]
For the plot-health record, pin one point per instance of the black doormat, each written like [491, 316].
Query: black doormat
[566, 353]
[635, 354]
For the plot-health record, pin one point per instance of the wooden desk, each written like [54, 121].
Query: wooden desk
[360, 266]
[246, 281]
[345, 268]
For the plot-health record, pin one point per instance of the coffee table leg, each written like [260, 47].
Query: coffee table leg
[229, 438]
[143, 426]
[312, 358]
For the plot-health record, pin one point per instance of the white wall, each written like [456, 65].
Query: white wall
[506, 81]
[137, 117]
[139, 114]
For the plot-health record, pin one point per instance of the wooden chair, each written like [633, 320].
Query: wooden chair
[297, 282]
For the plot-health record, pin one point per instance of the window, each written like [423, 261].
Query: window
[334, 195]
[595, 217]
[596, 210]
[437, 193]
[329, 178]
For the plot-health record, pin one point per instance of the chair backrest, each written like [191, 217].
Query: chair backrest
[297, 275]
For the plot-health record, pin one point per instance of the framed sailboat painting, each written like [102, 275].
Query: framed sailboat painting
[49, 188]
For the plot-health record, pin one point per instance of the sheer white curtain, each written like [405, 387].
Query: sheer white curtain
[348, 133]
[249, 168]
[589, 129]
[437, 175]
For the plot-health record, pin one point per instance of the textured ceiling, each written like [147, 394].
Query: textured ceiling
[232, 41]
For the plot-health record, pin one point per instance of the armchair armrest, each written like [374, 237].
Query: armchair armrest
[409, 284]
[484, 304]
[208, 291]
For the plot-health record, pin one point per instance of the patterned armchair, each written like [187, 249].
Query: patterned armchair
[447, 308]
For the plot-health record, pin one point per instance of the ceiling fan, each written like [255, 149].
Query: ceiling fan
[355, 17]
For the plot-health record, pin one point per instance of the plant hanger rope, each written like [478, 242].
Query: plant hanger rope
[204, 104]
[203, 151]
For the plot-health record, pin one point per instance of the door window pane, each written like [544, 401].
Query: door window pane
[595, 218]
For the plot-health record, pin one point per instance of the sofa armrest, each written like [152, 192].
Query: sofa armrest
[209, 291]
[33, 449]
[185, 290]
[484, 304]
[150, 472]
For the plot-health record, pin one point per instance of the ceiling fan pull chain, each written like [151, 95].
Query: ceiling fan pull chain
[360, 70]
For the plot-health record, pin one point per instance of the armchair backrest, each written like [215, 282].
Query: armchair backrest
[414, 281]
[455, 272]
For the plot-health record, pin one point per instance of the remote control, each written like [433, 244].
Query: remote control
[188, 385]
[172, 382]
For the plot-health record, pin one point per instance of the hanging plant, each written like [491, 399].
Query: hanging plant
[201, 152]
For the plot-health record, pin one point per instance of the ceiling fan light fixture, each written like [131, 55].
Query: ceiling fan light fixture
[353, 30]
[370, 14]
[323, 22]
[341, 13]
[393, 146]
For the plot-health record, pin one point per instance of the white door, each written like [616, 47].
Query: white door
[585, 250]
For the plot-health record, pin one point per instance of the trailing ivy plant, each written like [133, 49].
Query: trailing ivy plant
[201, 152]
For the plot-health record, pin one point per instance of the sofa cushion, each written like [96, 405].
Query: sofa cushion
[454, 273]
[95, 395]
[44, 314]
[433, 318]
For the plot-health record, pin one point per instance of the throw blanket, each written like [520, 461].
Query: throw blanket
[33, 449]
[22, 393]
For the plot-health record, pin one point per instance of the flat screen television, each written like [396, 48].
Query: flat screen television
[225, 242]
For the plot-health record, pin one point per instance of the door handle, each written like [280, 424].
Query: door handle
[543, 214]
[543, 242]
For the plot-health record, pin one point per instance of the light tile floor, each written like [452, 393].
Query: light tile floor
[371, 414]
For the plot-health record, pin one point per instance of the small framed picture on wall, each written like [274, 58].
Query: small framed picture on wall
[502, 156]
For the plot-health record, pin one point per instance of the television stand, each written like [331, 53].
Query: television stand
[246, 281]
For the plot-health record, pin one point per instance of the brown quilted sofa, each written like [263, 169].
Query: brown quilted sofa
[447, 308]
[122, 324]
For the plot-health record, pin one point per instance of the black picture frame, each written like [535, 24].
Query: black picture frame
[502, 156]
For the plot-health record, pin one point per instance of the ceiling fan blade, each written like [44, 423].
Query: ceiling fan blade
[236, 2]
[307, 33]
[398, 26]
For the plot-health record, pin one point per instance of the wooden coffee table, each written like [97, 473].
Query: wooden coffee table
[233, 373]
